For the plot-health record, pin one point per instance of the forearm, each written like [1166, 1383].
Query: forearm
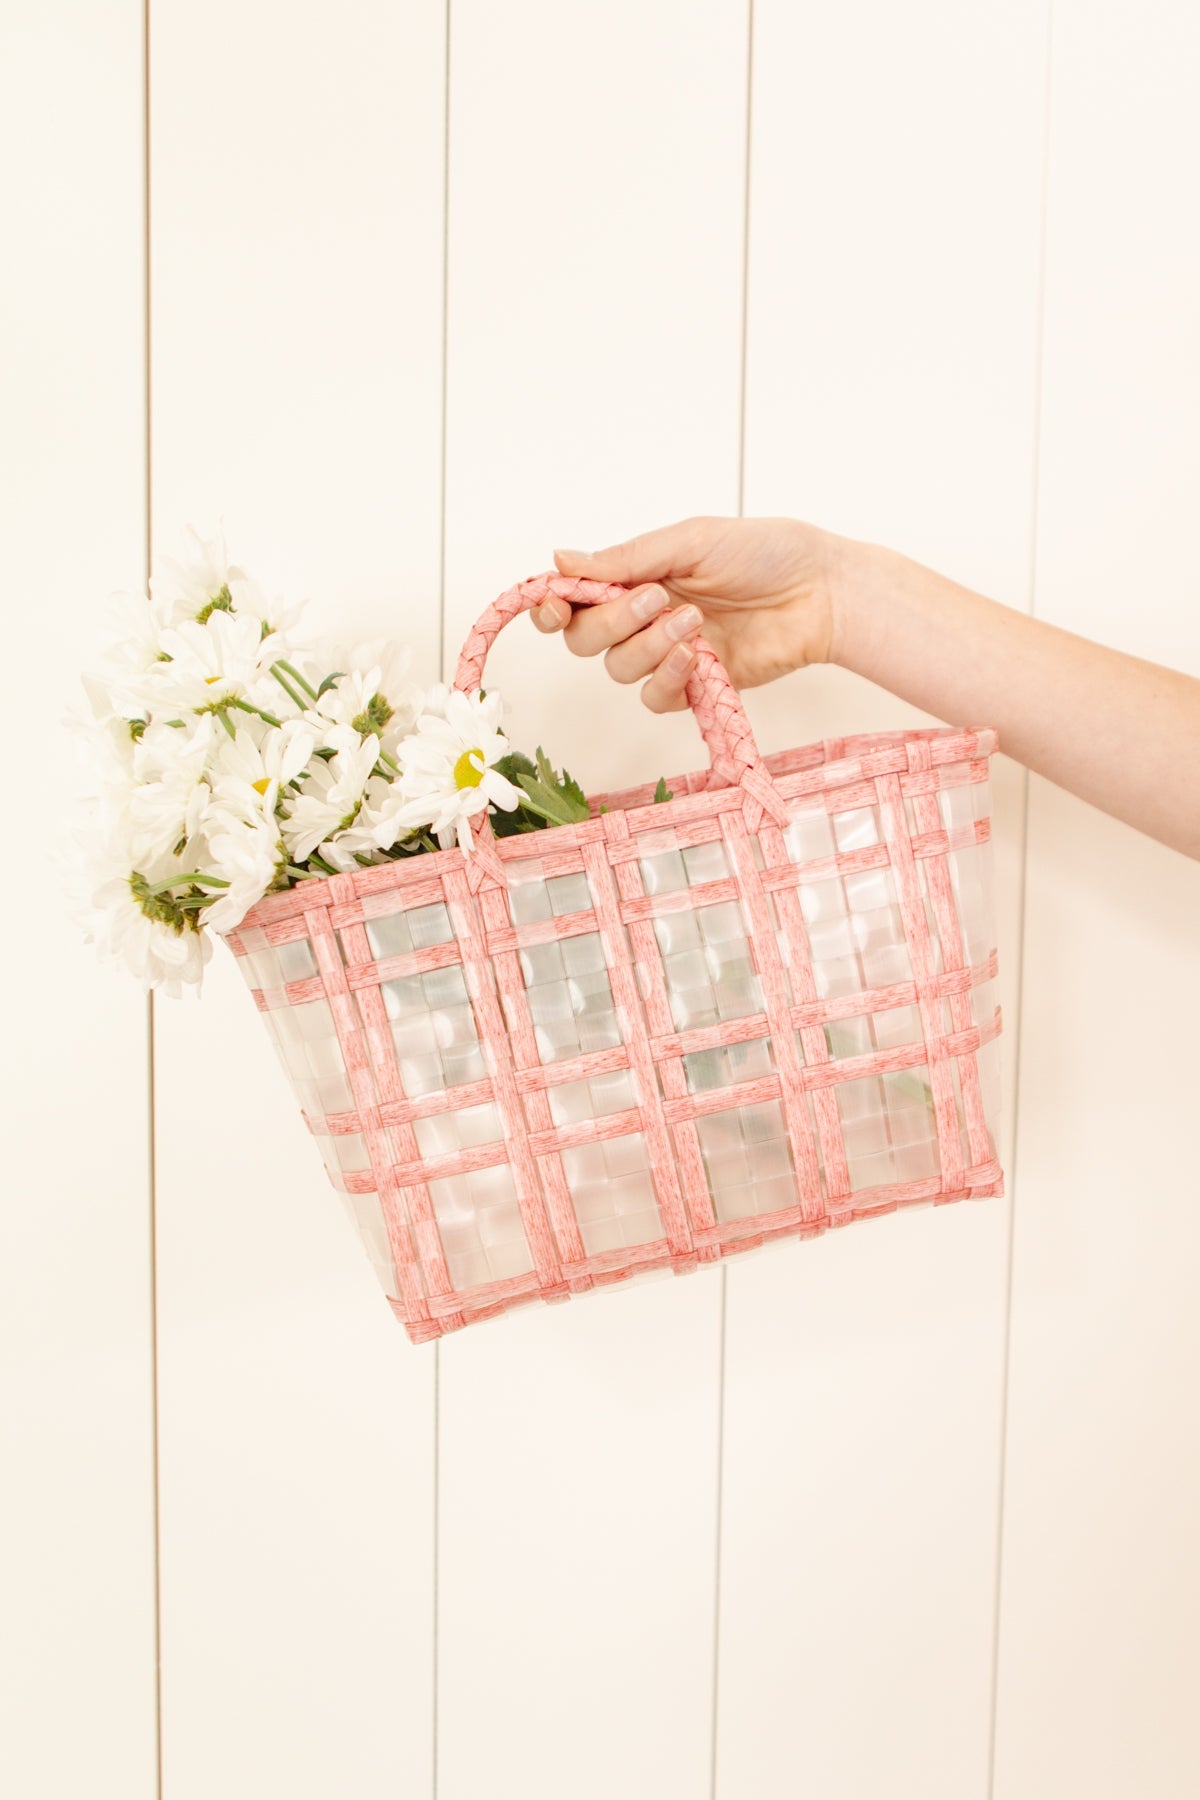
[1121, 733]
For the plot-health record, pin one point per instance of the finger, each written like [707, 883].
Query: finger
[596, 628]
[671, 550]
[637, 657]
[552, 615]
[665, 690]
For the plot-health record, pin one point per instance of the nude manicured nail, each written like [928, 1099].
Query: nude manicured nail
[583, 553]
[649, 602]
[679, 661]
[683, 622]
[548, 616]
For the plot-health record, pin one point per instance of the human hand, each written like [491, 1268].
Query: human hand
[761, 591]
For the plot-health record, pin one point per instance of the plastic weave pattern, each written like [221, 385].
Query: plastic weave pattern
[674, 1031]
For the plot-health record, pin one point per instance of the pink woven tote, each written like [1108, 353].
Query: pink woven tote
[680, 1029]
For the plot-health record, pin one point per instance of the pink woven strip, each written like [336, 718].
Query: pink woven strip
[410, 1182]
[941, 891]
[358, 1073]
[808, 1018]
[818, 1078]
[813, 774]
[676, 1110]
[711, 695]
[493, 904]
[764, 947]
[894, 821]
[739, 795]
[497, 1050]
[724, 725]
[798, 774]
[733, 1239]
[661, 1023]
[634, 1030]
[872, 856]
[866, 1203]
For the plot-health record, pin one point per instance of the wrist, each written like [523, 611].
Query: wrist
[860, 574]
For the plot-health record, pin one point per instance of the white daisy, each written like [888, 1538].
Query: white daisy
[172, 794]
[354, 844]
[213, 664]
[149, 933]
[251, 768]
[133, 633]
[331, 798]
[374, 695]
[275, 616]
[103, 741]
[448, 772]
[199, 583]
[249, 858]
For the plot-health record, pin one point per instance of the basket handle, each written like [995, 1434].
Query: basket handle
[733, 754]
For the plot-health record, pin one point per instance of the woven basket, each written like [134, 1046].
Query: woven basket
[677, 1030]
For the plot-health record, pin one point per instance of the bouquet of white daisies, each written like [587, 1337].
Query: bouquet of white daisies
[230, 758]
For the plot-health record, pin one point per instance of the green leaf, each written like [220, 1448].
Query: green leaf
[512, 824]
[329, 681]
[514, 765]
[556, 805]
[662, 791]
[562, 793]
[571, 788]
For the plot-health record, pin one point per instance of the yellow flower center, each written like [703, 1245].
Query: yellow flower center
[468, 770]
[260, 787]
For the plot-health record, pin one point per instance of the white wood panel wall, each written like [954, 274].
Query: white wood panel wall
[431, 289]
[894, 259]
[1100, 1607]
[296, 232]
[77, 1544]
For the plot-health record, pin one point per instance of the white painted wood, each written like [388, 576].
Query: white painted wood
[895, 207]
[595, 274]
[296, 330]
[1101, 1585]
[595, 344]
[77, 1692]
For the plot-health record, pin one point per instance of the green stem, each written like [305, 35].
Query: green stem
[193, 876]
[288, 690]
[297, 677]
[245, 706]
[227, 722]
[300, 874]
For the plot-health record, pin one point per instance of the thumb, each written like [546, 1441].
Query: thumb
[671, 550]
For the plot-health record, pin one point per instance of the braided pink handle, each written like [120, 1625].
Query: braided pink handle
[711, 695]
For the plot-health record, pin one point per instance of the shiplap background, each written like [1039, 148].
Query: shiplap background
[407, 294]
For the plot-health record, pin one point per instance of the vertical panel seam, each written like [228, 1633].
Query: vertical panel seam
[435, 1651]
[1022, 916]
[151, 1095]
[743, 350]
[745, 332]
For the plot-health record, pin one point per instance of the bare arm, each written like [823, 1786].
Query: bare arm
[1121, 733]
[774, 594]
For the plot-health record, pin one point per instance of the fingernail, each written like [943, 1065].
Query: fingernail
[584, 553]
[548, 616]
[650, 601]
[679, 661]
[683, 622]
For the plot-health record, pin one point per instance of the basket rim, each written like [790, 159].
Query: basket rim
[809, 770]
